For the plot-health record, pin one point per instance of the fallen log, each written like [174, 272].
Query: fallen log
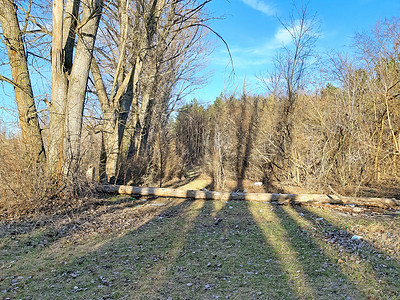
[262, 197]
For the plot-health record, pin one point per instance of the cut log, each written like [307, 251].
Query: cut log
[262, 197]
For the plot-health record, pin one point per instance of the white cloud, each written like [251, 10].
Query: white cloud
[282, 37]
[260, 6]
[260, 54]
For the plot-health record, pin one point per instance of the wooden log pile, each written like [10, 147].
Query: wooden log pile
[384, 203]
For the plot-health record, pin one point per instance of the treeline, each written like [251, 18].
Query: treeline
[342, 133]
[333, 141]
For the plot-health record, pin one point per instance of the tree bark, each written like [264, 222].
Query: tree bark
[28, 118]
[77, 85]
[115, 115]
[262, 197]
[117, 106]
[63, 44]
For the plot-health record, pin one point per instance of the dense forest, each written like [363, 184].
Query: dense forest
[116, 108]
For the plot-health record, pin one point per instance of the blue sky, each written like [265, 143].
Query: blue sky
[254, 34]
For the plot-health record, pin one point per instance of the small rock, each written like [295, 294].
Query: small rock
[356, 238]
[189, 284]
[75, 274]
[217, 221]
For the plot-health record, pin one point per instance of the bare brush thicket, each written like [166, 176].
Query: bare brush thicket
[343, 136]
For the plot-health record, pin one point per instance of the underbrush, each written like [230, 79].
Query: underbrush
[26, 190]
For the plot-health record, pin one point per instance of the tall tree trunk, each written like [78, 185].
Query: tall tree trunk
[115, 115]
[77, 85]
[70, 72]
[61, 63]
[116, 110]
[28, 119]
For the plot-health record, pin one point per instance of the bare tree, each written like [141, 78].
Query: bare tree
[138, 69]
[70, 66]
[380, 52]
[28, 118]
[287, 80]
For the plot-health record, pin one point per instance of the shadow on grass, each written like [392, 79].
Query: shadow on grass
[364, 264]
[225, 256]
[198, 250]
[20, 239]
[321, 271]
[194, 250]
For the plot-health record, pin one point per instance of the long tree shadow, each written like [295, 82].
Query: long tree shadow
[320, 270]
[363, 263]
[34, 235]
[196, 250]
[225, 256]
[193, 250]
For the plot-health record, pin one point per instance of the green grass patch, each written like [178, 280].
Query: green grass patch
[175, 249]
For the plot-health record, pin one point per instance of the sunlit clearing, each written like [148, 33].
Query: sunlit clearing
[278, 238]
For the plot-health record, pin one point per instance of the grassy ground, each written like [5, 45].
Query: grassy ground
[122, 248]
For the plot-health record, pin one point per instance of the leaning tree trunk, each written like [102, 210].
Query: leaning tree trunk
[28, 119]
[115, 115]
